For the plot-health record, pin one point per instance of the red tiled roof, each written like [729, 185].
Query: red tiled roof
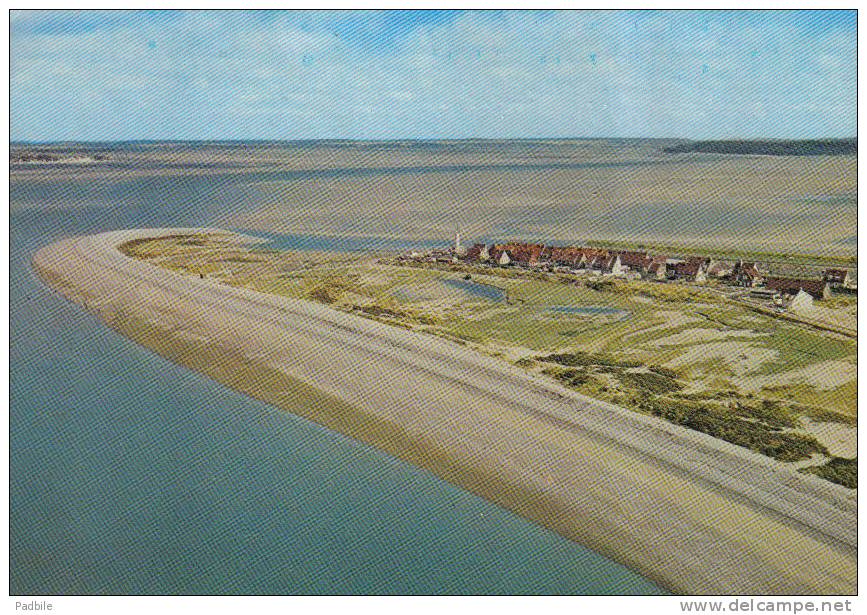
[475, 250]
[689, 268]
[836, 275]
[698, 260]
[633, 260]
[793, 285]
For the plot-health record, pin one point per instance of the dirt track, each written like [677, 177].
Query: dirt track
[693, 513]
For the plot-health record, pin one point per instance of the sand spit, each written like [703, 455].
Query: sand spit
[695, 514]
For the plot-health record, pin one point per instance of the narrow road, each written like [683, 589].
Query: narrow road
[696, 514]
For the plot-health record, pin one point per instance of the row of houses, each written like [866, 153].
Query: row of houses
[790, 292]
[623, 263]
[639, 264]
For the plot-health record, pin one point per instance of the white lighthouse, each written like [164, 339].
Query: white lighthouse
[458, 247]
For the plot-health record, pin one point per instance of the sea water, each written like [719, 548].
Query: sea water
[131, 475]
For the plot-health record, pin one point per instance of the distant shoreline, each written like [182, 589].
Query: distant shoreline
[536, 450]
[770, 147]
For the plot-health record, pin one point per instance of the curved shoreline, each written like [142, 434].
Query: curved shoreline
[690, 512]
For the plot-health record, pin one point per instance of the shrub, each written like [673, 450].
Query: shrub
[609, 369]
[573, 359]
[328, 290]
[193, 241]
[717, 422]
[600, 284]
[571, 377]
[325, 293]
[838, 470]
[771, 413]
[651, 382]
[663, 371]
[570, 358]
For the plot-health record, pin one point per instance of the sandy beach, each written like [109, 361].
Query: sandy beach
[695, 514]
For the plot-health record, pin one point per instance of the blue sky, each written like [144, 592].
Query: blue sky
[120, 75]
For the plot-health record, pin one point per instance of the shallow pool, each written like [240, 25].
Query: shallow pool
[590, 310]
[476, 289]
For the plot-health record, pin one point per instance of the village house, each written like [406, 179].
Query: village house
[526, 254]
[818, 289]
[766, 294]
[693, 269]
[837, 278]
[594, 260]
[658, 268]
[500, 255]
[719, 269]
[613, 265]
[746, 274]
[477, 252]
[801, 302]
[635, 261]
[565, 257]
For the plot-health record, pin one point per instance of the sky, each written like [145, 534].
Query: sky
[129, 75]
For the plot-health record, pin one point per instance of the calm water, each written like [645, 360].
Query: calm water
[132, 475]
[483, 291]
[590, 310]
[332, 243]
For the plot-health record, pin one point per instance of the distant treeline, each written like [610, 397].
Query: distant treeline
[818, 147]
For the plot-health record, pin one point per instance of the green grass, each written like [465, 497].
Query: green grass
[547, 293]
[823, 414]
[840, 301]
[841, 401]
[512, 327]
[668, 292]
[638, 336]
[799, 347]
[727, 255]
